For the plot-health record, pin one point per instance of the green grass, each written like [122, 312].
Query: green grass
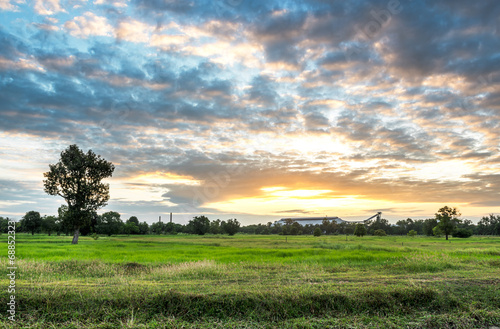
[249, 281]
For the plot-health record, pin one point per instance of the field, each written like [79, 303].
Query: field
[250, 281]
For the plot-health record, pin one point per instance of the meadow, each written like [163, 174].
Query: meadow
[254, 281]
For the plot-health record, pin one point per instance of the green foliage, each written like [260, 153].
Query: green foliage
[158, 228]
[447, 218]
[436, 231]
[295, 229]
[215, 227]
[50, 224]
[378, 224]
[95, 236]
[4, 224]
[130, 228]
[199, 225]
[412, 233]
[110, 223]
[143, 228]
[360, 230]
[231, 227]
[329, 226]
[31, 222]
[77, 178]
[489, 225]
[317, 231]
[133, 219]
[429, 225]
[462, 233]
[379, 232]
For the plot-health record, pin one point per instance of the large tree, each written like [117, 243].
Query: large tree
[447, 219]
[77, 178]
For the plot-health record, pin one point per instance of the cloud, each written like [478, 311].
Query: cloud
[48, 7]
[89, 25]
[294, 95]
[119, 4]
[7, 5]
[133, 31]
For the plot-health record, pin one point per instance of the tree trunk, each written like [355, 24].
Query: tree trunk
[75, 236]
[446, 236]
[32, 232]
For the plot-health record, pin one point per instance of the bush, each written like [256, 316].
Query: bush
[379, 232]
[437, 231]
[462, 233]
[412, 233]
[317, 231]
[360, 230]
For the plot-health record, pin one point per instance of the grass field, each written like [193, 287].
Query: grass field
[250, 281]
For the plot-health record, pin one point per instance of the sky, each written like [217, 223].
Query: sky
[254, 109]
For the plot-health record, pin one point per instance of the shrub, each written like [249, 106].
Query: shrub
[412, 233]
[437, 231]
[360, 230]
[379, 232]
[317, 231]
[462, 233]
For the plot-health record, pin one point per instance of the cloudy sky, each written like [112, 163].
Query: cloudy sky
[256, 109]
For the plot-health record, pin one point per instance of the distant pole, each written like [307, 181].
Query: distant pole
[159, 220]
[170, 217]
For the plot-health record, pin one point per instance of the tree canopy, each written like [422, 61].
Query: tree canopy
[31, 222]
[359, 230]
[200, 225]
[447, 218]
[77, 178]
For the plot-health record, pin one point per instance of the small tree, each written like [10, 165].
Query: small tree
[447, 218]
[379, 232]
[31, 222]
[143, 228]
[412, 233]
[111, 223]
[158, 228]
[359, 230]
[200, 225]
[317, 231]
[215, 227]
[4, 224]
[134, 220]
[231, 227]
[130, 228]
[77, 178]
[296, 229]
[49, 224]
[429, 225]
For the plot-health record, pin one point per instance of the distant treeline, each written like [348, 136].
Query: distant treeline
[110, 223]
[486, 226]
